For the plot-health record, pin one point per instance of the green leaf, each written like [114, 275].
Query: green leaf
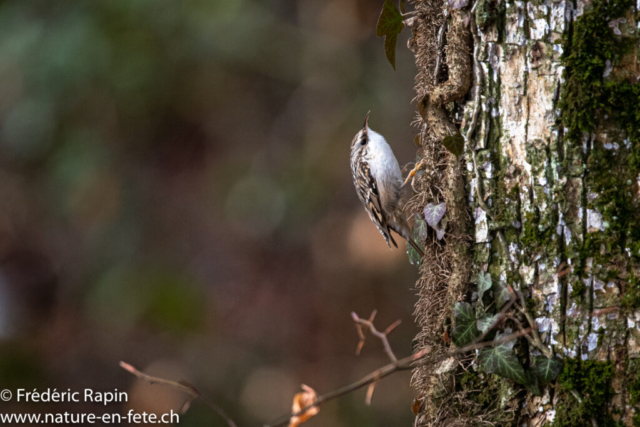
[501, 360]
[419, 230]
[414, 256]
[484, 284]
[502, 294]
[485, 322]
[534, 383]
[503, 334]
[547, 370]
[419, 233]
[466, 329]
[454, 143]
[390, 26]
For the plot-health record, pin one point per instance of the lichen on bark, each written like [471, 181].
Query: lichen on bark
[557, 149]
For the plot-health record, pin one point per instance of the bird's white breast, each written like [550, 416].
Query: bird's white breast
[384, 167]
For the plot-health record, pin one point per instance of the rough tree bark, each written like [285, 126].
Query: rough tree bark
[544, 200]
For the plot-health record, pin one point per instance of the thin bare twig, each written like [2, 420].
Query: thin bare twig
[368, 324]
[188, 389]
[375, 376]
[537, 342]
[361, 334]
[418, 359]
[499, 318]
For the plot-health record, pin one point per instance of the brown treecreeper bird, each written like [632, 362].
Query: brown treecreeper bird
[378, 181]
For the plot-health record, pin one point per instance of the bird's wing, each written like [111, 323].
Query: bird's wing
[367, 189]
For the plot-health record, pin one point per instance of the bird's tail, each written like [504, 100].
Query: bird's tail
[403, 229]
[416, 246]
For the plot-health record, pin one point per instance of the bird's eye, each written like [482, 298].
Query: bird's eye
[363, 141]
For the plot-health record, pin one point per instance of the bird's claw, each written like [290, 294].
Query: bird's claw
[412, 174]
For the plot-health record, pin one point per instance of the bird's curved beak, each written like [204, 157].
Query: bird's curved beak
[366, 122]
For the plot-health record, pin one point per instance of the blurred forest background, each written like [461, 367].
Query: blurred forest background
[175, 192]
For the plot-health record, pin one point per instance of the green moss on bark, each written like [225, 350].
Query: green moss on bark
[631, 297]
[585, 390]
[591, 102]
[633, 387]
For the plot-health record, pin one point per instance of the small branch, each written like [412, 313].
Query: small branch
[501, 340]
[381, 335]
[361, 333]
[375, 376]
[499, 318]
[418, 359]
[519, 324]
[188, 389]
[392, 326]
[537, 342]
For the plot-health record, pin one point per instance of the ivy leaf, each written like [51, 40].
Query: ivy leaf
[501, 361]
[390, 26]
[485, 322]
[505, 333]
[458, 4]
[414, 256]
[466, 330]
[502, 293]
[534, 383]
[454, 143]
[547, 370]
[434, 213]
[484, 284]
[440, 233]
[419, 233]
[419, 230]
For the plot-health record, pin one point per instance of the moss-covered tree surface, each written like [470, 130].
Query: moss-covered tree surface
[550, 182]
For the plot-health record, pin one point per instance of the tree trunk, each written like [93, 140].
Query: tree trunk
[542, 221]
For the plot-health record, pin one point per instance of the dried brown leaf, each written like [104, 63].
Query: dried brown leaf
[417, 140]
[416, 406]
[302, 400]
[445, 337]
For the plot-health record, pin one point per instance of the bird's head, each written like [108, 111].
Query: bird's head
[361, 139]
